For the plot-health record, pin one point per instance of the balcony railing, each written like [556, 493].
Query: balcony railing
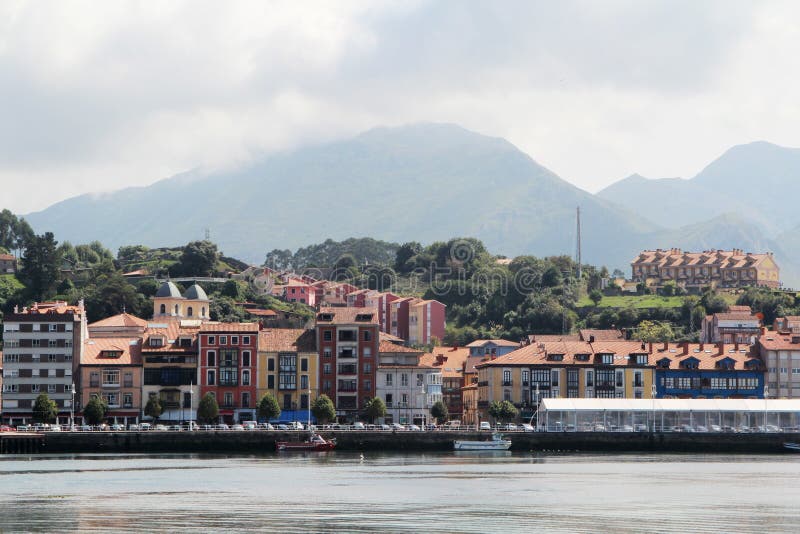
[110, 384]
[94, 383]
[508, 382]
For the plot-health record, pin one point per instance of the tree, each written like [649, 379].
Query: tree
[199, 258]
[439, 411]
[404, 254]
[40, 266]
[374, 408]
[95, 410]
[208, 409]
[268, 407]
[111, 294]
[234, 289]
[502, 411]
[596, 296]
[323, 409]
[153, 408]
[44, 409]
[652, 331]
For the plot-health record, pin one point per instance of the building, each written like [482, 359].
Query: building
[111, 369]
[347, 344]
[408, 386]
[120, 325]
[300, 291]
[42, 347]
[8, 264]
[170, 371]
[738, 325]
[452, 362]
[780, 352]
[469, 395]
[714, 268]
[426, 322]
[288, 370]
[170, 303]
[491, 347]
[228, 354]
[571, 369]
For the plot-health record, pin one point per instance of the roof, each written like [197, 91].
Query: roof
[498, 342]
[121, 320]
[389, 347]
[96, 351]
[7, 257]
[724, 259]
[450, 359]
[600, 335]
[347, 316]
[229, 327]
[537, 338]
[170, 331]
[671, 405]
[385, 336]
[261, 313]
[195, 293]
[281, 340]
[168, 290]
[778, 341]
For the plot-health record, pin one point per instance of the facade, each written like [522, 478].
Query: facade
[347, 344]
[570, 369]
[288, 370]
[409, 387]
[169, 362]
[491, 347]
[737, 325]
[469, 395]
[780, 352]
[300, 291]
[708, 371]
[111, 369]
[8, 264]
[228, 354]
[715, 268]
[452, 362]
[426, 322]
[170, 303]
[41, 350]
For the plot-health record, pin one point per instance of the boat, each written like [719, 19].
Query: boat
[497, 443]
[791, 446]
[314, 442]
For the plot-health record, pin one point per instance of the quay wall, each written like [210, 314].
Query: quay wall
[264, 441]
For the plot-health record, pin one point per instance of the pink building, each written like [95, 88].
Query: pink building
[300, 291]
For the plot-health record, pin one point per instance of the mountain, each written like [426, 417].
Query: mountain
[422, 182]
[757, 181]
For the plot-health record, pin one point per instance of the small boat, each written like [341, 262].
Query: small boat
[315, 442]
[790, 446]
[497, 443]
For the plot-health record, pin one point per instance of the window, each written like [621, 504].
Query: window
[228, 358]
[367, 335]
[246, 358]
[641, 359]
[327, 335]
[211, 377]
[554, 378]
[112, 399]
[94, 379]
[52, 343]
[388, 400]
[51, 358]
[271, 382]
[589, 379]
[203, 311]
[190, 311]
[326, 385]
[228, 376]
[128, 383]
[228, 399]
[51, 388]
[127, 400]
[36, 343]
[525, 377]
[367, 368]
[304, 382]
[10, 388]
[246, 377]
[245, 399]
[326, 369]
[110, 377]
[304, 364]
[326, 353]
[35, 388]
[271, 364]
[163, 309]
[367, 385]
[11, 358]
[420, 380]
[176, 309]
[403, 379]
[607, 359]
[212, 340]
[366, 352]
[620, 378]
[223, 340]
[234, 340]
[304, 401]
[245, 340]
[506, 377]
[389, 379]
[212, 358]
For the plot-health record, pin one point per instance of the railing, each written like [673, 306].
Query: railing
[508, 382]
[94, 384]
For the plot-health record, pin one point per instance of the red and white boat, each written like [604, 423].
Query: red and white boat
[315, 442]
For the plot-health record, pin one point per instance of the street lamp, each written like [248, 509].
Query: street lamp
[191, 406]
[72, 409]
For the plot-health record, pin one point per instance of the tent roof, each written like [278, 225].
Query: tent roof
[672, 405]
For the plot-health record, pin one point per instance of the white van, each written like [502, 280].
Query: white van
[485, 426]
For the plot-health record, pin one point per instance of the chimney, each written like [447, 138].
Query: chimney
[685, 348]
[721, 347]
[650, 350]
[736, 346]
[666, 346]
[591, 339]
[702, 346]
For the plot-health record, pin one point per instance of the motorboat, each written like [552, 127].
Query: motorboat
[791, 446]
[497, 443]
[314, 442]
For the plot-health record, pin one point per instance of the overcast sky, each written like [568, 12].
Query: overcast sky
[96, 96]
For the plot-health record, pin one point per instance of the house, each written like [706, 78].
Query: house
[738, 325]
[300, 291]
[168, 302]
[111, 369]
[491, 347]
[347, 344]
[42, 347]
[8, 264]
[288, 370]
[780, 352]
[408, 384]
[228, 355]
[714, 268]
[120, 325]
[426, 322]
[452, 363]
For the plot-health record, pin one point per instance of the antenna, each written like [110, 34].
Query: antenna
[208, 234]
[578, 245]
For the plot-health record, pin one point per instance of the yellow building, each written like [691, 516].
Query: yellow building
[168, 302]
[567, 369]
[288, 369]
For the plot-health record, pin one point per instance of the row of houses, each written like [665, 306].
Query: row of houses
[180, 356]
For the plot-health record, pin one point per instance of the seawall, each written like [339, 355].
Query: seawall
[264, 441]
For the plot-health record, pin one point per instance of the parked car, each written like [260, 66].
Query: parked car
[54, 428]
[358, 425]
[397, 426]
[265, 426]
[161, 428]
[86, 428]
[296, 425]
[6, 428]
[385, 427]
[525, 427]
[484, 426]
[510, 427]
[145, 426]
[250, 425]
[414, 428]
[715, 428]
[281, 426]
[23, 428]
[223, 426]
[237, 427]
[640, 427]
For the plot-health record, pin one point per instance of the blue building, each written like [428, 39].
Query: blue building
[708, 371]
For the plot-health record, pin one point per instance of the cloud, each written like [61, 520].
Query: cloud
[98, 96]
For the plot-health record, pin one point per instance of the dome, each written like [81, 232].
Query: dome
[195, 293]
[168, 289]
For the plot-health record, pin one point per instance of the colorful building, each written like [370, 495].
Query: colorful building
[452, 363]
[426, 322]
[408, 384]
[228, 355]
[170, 303]
[111, 369]
[288, 370]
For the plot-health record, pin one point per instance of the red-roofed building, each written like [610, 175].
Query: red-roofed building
[8, 264]
[739, 326]
[111, 369]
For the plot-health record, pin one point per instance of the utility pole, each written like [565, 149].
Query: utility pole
[578, 245]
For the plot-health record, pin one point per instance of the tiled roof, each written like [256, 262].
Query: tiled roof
[453, 364]
[347, 316]
[600, 335]
[95, 350]
[385, 336]
[726, 259]
[7, 257]
[778, 341]
[229, 328]
[122, 320]
[389, 347]
[262, 313]
[170, 331]
[280, 339]
[498, 342]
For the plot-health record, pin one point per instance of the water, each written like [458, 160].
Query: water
[441, 492]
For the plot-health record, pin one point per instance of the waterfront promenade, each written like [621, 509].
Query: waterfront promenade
[264, 441]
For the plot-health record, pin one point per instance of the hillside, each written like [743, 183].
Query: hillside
[423, 182]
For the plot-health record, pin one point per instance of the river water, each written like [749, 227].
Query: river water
[438, 492]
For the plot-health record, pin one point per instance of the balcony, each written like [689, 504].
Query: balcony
[389, 404]
[508, 382]
[170, 405]
[110, 384]
[347, 353]
[348, 389]
[94, 383]
[227, 406]
[128, 384]
[525, 383]
[348, 369]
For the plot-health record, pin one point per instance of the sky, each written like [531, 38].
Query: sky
[97, 96]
